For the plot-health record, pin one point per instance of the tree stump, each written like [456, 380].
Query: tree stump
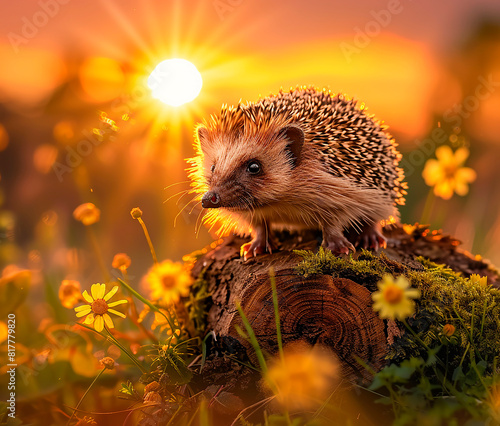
[319, 309]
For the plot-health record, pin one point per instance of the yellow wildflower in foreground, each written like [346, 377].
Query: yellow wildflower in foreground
[304, 378]
[87, 213]
[446, 174]
[393, 300]
[97, 311]
[168, 281]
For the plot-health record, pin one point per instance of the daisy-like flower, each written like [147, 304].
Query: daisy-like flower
[97, 311]
[393, 300]
[447, 174]
[303, 378]
[87, 213]
[168, 281]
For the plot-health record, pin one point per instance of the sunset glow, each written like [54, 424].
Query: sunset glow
[175, 82]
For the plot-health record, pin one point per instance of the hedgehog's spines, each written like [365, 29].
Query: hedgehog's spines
[351, 142]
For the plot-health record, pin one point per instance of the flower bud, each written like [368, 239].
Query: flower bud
[87, 213]
[136, 212]
[448, 330]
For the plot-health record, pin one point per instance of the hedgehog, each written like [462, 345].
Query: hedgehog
[303, 158]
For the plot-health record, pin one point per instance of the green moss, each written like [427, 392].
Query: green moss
[446, 298]
[198, 303]
[367, 269]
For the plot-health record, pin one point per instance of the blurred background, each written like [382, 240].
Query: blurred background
[78, 122]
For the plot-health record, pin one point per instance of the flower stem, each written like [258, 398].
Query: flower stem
[148, 239]
[133, 358]
[85, 394]
[148, 303]
[135, 317]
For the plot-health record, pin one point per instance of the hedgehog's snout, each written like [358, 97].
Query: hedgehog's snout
[210, 200]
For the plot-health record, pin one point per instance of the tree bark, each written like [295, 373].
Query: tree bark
[319, 309]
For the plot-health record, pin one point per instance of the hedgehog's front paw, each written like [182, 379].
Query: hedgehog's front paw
[371, 237]
[255, 247]
[338, 244]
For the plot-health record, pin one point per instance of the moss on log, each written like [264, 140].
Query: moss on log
[327, 300]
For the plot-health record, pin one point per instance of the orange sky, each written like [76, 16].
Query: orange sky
[248, 47]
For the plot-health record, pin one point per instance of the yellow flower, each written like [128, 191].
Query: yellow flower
[121, 261]
[87, 213]
[393, 300]
[304, 378]
[69, 293]
[168, 281]
[446, 174]
[97, 311]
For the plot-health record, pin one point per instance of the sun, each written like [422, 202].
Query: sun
[175, 82]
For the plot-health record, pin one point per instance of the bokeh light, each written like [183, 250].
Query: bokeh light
[102, 79]
[4, 138]
[175, 82]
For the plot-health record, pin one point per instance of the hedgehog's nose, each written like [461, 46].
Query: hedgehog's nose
[210, 200]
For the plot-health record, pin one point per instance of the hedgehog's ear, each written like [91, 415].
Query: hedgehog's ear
[294, 137]
[201, 134]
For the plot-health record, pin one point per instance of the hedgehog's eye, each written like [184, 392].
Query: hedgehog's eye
[254, 167]
[212, 168]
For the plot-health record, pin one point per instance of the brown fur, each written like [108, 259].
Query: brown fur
[335, 183]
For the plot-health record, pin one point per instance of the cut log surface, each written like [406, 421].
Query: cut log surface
[334, 312]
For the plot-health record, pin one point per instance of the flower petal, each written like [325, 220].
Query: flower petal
[444, 153]
[118, 302]
[111, 293]
[108, 321]
[87, 296]
[461, 154]
[102, 291]
[413, 293]
[89, 319]
[402, 282]
[465, 174]
[98, 323]
[444, 190]
[117, 313]
[95, 290]
[82, 308]
[461, 188]
[83, 313]
[432, 172]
